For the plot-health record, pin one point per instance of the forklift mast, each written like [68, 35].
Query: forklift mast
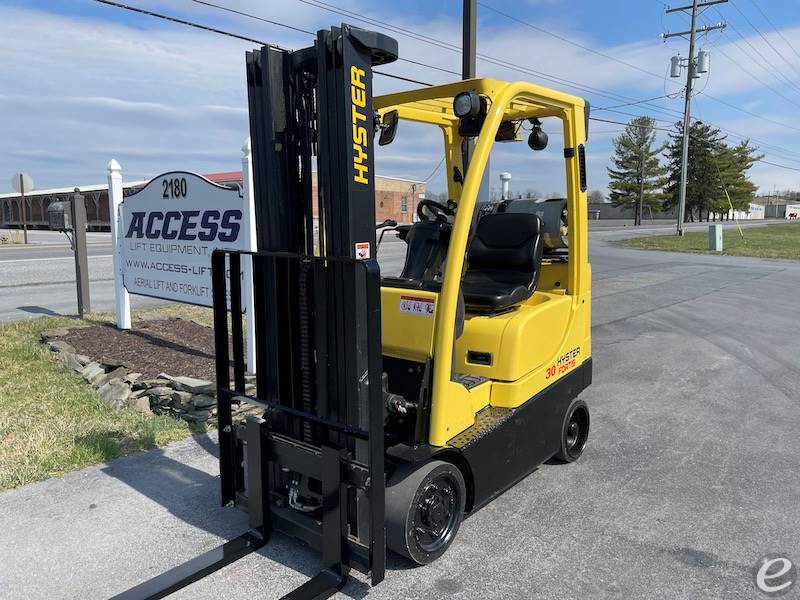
[312, 466]
[318, 317]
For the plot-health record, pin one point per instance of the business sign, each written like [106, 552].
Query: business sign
[757, 211]
[793, 212]
[170, 228]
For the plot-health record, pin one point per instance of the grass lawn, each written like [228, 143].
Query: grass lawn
[52, 421]
[773, 241]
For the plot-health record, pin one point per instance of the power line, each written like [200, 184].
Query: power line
[435, 170]
[741, 66]
[508, 65]
[235, 35]
[452, 47]
[457, 50]
[306, 31]
[763, 37]
[763, 61]
[244, 14]
[390, 75]
[752, 114]
[766, 162]
[658, 109]
[632, 103]
[778, 31]
[766, 65]
[568, 41]
[183, 22]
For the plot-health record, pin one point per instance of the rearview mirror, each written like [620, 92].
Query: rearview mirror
[388, 128]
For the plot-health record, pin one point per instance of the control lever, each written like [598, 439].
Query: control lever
[387, 225]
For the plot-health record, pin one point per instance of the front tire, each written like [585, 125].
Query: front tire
[424, 509]
[574, 432]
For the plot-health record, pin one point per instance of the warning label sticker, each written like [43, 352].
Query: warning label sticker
[362, 250]
[417, 306]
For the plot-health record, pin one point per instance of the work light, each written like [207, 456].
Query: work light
[466, 104]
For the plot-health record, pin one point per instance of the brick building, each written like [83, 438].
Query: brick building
[394, 199]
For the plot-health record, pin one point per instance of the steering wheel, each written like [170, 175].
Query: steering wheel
[430, 210]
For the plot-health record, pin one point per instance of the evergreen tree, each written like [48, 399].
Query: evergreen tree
[733, 163]
[713, 168]
[638, 177]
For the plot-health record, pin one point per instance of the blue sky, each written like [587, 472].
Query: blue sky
[85, 82]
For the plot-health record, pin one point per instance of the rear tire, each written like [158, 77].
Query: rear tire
[424, 509]
[574, 432]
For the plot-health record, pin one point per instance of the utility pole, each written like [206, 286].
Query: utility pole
[693, 69]
[469, 38]
[468, 43]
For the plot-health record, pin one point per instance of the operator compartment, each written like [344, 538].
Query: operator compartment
[514, 290]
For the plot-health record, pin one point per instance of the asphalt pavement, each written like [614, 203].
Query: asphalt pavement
[689, 478]
[39, 279]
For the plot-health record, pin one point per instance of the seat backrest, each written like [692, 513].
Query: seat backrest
[507, 242]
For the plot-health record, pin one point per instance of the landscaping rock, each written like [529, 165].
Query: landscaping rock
[182, 399]
[200, 415]
[111, 366]
[138, 393]
[117, 373]
[60, 346]
[48, 334]
[151, 383]
[92, 370]
[115, 393]
[190, 384]
[203, 401]
[83, 359]
[160, 392]
[69, 361]
[140, 404]
[131, 377]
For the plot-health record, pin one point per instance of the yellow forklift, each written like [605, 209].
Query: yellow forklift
[393, 407]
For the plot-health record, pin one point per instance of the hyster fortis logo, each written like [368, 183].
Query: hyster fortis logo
[358, 95]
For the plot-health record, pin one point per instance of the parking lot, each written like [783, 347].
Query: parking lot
[689, 478]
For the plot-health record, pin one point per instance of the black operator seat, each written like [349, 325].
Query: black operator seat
[505, 259]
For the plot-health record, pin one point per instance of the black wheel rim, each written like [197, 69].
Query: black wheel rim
[577, 432]
[436, 513]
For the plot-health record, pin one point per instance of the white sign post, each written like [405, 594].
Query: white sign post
[165, 233]
[123, 300]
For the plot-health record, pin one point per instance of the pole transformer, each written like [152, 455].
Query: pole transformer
[691, 74]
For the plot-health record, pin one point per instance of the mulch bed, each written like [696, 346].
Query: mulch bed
[172, 346]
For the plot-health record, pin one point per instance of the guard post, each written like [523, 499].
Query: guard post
[81, 254]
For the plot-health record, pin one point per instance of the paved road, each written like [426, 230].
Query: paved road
[40, 278]
[690, 476]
